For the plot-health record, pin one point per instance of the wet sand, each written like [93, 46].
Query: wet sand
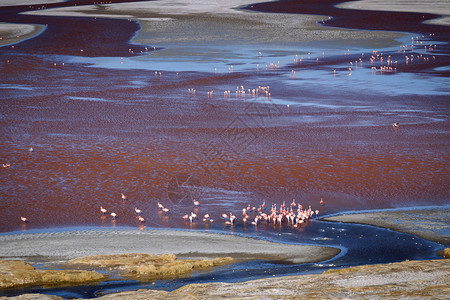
[27, 2]
[61, 246]
[222, 24]
[13, 33]
[428, 6]
[430, 224]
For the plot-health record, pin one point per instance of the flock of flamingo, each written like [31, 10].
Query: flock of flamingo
[294, 214]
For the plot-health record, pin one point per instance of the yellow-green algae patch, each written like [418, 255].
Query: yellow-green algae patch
[16, 273]
[444, 253]
[140, 265]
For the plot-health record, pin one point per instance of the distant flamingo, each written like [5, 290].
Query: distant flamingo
[192, 217]
[196, 203]
[321, 201]
[6, 165]
[207, 218]
[24, 220]
[395, 125]
[31, 149]
[124, 197]
[103, 210]
[141, 219]
[113, 215]
[137, 210]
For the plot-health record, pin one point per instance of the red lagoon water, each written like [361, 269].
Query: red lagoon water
[98, 133]
[87, 151]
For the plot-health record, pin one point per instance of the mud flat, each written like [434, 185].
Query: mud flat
[61, 246]
[27, 2]
[13, 33]
[441, 7]
[166, 22]
[429, 224]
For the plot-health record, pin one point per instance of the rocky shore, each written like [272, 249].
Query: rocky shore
[408, 279]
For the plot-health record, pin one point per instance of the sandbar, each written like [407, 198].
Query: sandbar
[12, 33]
[440, 7]
[188, 22]
[66, 245]
[27, 2]
[429, 224]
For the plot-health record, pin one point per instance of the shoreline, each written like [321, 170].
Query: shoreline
[439, 8]
[403, 220]
[157, 20]
[386, 281]
[11, 33]
[407, 279]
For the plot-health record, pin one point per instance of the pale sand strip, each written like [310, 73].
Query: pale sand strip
[187, 244]
[27, 2]
[12, 33]
[429, 224]
[188, 22]
[438, 7]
